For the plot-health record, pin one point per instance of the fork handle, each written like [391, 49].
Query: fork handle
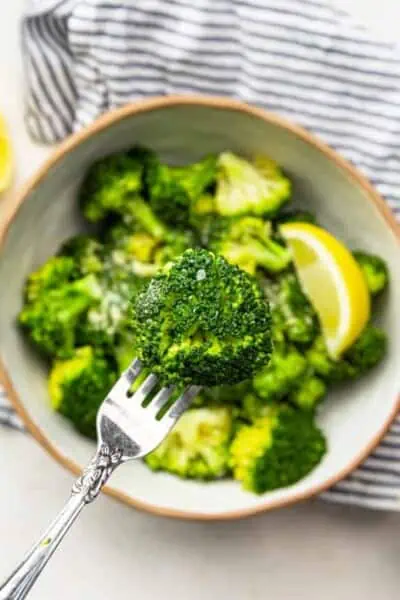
[84, 491]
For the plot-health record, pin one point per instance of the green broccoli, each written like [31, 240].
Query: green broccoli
[277, 450]
[78, 386]
[131, 244]
[198, 445]
[56, 272]
[119, 287]
[280, 376]
[247, 242]
[86, 252]
[244, 188]
[52, 320]
[298, 216]
[173, 190]
[308, 391]
[331, 371]
[202, 321]
[368, 350]
[291, 310]
[114, 186]
[375, 271]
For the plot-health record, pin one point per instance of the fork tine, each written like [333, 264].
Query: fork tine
[182, 403]
[127, 378]
[160, 399]
[145, 388]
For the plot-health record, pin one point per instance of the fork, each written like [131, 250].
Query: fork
[128, 427]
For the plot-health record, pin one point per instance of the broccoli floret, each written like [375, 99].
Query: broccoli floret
[247, 242]
[291, 310]
[331, 371]
[298, 216]
[308, 392]
[119, 287]
[79, 385]
[245, 188]
[253, 407]
[202, 321]
[280, 376]
[52, 320]
[375, 271]
[277, 450]
[57, 271]
[173, 190]
[368, 350]
[114, 186]
[87, 253]
[198, 445]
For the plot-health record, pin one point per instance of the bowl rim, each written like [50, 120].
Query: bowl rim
[220, 103]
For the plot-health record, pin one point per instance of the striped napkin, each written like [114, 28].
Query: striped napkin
[301, 58]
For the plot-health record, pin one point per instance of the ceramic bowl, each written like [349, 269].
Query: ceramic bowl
[183, 129]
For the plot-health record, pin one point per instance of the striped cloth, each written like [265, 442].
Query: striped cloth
[301, 58]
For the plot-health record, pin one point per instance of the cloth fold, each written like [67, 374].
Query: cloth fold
[303, 59]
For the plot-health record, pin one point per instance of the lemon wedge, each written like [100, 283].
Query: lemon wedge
[333, 282]
[6, 161]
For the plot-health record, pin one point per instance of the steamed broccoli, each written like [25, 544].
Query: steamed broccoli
[280, 376]
[247, 242]
[131, 244]
[173, 190]
[299, 216]
[114, 186]
[375, 271]
[308, 391]
[197, 447]
[277, 450]
[244, 188]
[86, 252]
[78, 386]
[292, 312]
[57, 271]
[202, 321]
[52, 320]
[368, 350]
[119, 287]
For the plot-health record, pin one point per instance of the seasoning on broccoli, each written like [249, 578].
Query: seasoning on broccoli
[375, 271]
[291, 310]
[277, 450]
[198, 445]
[202, 321]
[247, 242]
[78, 385]
[256, 188]
[52, 319]
[173, 191]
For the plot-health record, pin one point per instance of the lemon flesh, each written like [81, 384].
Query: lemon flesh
[333, 282]
[5, 157]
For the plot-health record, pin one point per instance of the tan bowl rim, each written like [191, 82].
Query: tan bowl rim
[221, 103]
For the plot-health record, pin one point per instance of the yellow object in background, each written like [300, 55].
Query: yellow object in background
[333, 282]
[6, 159]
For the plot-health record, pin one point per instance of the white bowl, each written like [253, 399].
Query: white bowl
[183, 129]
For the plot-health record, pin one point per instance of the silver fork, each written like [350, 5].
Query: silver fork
[125, 430]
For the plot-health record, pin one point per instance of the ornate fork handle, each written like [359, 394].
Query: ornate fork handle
[85, 490]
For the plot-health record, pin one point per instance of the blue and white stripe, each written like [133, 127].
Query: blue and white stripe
[301, 58]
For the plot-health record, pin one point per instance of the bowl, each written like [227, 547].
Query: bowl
[183, 129]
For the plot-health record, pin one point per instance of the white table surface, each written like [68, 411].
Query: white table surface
[313, 551]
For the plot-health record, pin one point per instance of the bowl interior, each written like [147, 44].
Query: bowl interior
[352, 417]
